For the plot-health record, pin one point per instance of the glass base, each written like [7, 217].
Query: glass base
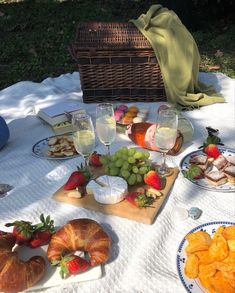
[164, 170]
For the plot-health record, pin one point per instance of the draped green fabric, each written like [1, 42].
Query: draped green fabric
[178, 57]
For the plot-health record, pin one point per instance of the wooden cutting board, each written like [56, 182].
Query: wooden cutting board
[124, 208]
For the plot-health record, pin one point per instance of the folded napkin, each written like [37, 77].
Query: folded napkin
[178, 57]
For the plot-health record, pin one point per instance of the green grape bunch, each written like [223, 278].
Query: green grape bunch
[129, 163]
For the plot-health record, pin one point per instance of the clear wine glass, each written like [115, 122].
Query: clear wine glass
[83, 135]
[105, 124]
[166, 133]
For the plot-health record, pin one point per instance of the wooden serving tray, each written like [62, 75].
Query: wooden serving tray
[122, 209]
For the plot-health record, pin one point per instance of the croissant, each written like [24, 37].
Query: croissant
[80, 234]
[17, 275]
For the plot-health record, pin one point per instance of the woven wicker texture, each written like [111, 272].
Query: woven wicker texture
[116, 63]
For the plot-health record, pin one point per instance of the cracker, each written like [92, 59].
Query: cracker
[61, 146]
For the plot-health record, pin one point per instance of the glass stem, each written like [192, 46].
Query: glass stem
[163, 169]
[164, 160]
[108, 148]
[86, 161]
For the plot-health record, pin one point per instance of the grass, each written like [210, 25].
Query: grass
[216, 45]
[35, 35]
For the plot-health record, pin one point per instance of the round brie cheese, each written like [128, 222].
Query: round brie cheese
[92, 185]
[108, 189]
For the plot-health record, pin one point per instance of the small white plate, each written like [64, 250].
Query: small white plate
[203, 183]
[52, 276]
[41, 148]
[193, 285]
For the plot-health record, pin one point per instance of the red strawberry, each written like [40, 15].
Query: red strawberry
[139, 199]
[42, 233]
[194, 172]
[94, 160]
[77, 178]
[39, 239]
[210, 144]
[22, 231]
[72, 265]
[212, 151]
[152, 179]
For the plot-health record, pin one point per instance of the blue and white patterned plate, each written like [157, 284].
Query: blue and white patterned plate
[41, 148]
[203, 183]
[193, 285]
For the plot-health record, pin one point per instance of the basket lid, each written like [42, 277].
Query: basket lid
[109, 35]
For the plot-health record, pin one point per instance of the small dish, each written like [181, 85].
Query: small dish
[58, 147]
[194, 285]
[52, 276]
[203, 183]
[126, 115]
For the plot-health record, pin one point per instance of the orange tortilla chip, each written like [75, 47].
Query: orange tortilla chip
[198, 241]
[231, 281]
[224, 266]
[191, 266]
[204, 257]
[206, 282]
[231, 244]
[195, 246]
[221, 284]
[219, 248]
[230, 276]
[230, 257]
[199, 235]
[229, 233]
[218, 231]
[207, 270]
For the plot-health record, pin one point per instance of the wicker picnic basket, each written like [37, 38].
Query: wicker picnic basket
[116, 63]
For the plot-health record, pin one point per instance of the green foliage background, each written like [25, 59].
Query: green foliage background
[35, 34]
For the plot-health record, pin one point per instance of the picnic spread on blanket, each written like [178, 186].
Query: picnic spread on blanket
[108, 187]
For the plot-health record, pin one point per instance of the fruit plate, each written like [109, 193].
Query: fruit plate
[194, 285]
[203, 183]
[52, 277]
[41, 149]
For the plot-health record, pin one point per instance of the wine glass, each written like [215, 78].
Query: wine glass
[83, 135]
[105, 124]
[166, 133]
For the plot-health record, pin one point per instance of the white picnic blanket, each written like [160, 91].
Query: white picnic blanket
[143, 257]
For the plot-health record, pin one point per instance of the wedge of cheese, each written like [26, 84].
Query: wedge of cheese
[107, 189]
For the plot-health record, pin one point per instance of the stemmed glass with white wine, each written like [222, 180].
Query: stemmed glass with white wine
[105, 124]
[83, 135]
[166, 133]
